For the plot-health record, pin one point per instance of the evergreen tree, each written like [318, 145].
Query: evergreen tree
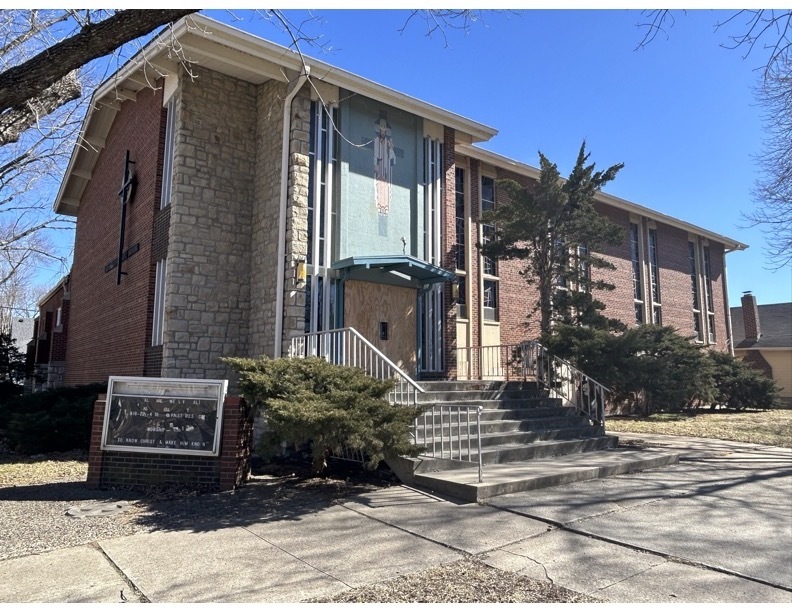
[12, 362]
[553, 229]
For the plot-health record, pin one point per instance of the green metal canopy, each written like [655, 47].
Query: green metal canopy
[400, 270]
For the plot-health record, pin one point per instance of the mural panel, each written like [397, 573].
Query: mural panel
[379, 177]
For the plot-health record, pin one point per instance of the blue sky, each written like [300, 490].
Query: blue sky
[679, 113]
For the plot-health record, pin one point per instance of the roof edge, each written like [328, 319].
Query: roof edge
[524, 169]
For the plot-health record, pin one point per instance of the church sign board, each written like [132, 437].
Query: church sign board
[163, 415]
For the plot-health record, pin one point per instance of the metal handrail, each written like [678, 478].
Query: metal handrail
[462, 446]
[494, 362]
[348, 347]
[533, 360]
[570, 383]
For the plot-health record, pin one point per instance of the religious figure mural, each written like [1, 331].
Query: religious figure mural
[384, 160]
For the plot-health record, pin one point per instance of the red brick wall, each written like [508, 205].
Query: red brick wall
[449, 252]
[474, 267]
[518, 321]
[619, 302]
[717, 255]
[517, 298]
[61, 335]
[110, 324]
[227, 471]
[53, 347]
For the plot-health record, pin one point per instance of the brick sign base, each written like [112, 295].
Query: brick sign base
[227, 471]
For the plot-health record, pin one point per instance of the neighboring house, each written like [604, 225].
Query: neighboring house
[22, 330]
[219, 212]
[46, 352]
[763, 337]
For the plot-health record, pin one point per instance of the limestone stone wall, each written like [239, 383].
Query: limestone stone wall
[207, 301]
[55, 374]
[265, 213]
[297, 216]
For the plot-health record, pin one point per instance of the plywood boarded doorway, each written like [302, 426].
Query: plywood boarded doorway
[366, 305]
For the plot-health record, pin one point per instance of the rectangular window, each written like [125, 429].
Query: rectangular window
[654, 277]
[58, 316]
[490, 264]
[635, 254]
[321, 160]
[167, 157]
[159, 304]
[562, 257]
[694, 289]
[321, 218]
[490, 300]
[460, 219]
[708, 296]
[584, 267]
[461, 297]
[487, 193]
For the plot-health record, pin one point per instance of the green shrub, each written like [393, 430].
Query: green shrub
[652, 368]
[326, 406]
[50, 421]
[740, 386]
[8, 389]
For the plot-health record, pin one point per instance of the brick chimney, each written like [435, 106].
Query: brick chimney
[750, 312]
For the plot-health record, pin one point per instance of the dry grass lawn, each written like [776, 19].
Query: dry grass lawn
[21, 470]
[772, 427]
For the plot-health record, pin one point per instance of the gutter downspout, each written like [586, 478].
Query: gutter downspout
[291, 91]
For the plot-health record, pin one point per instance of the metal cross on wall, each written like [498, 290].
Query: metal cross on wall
[125, 193]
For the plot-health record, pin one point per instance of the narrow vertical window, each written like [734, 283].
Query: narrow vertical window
[461, 243]
[708, 295]
[654, 277]
[694, 289]
[635, 254]
[562, 257]
[59, 316]
[159, 304]
[167, 157]
[487, 230]
[584, 268]
[321, 218]
[489, 264]
[460, 219]
[431, 306]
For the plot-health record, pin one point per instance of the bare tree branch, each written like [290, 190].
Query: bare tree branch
[27, 81]
[773, 189]
[656, 25]
[15, 121]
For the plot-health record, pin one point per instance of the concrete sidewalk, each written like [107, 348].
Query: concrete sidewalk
[715, 528]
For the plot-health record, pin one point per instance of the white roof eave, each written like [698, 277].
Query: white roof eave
[523, 169]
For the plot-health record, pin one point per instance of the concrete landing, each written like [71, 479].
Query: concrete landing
[500, 479]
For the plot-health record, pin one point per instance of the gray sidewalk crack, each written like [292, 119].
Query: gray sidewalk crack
[300, 559]
[402, 529]
[630, 577]
[621, 509]
[669, 557]
[539, 563]
[141, 597]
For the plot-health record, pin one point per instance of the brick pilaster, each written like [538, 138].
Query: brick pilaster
[95, 454]
[449, 251]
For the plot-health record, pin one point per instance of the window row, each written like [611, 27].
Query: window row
[489, 265]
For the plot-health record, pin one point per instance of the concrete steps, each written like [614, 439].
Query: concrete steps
[528, 441]
[503, 478]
